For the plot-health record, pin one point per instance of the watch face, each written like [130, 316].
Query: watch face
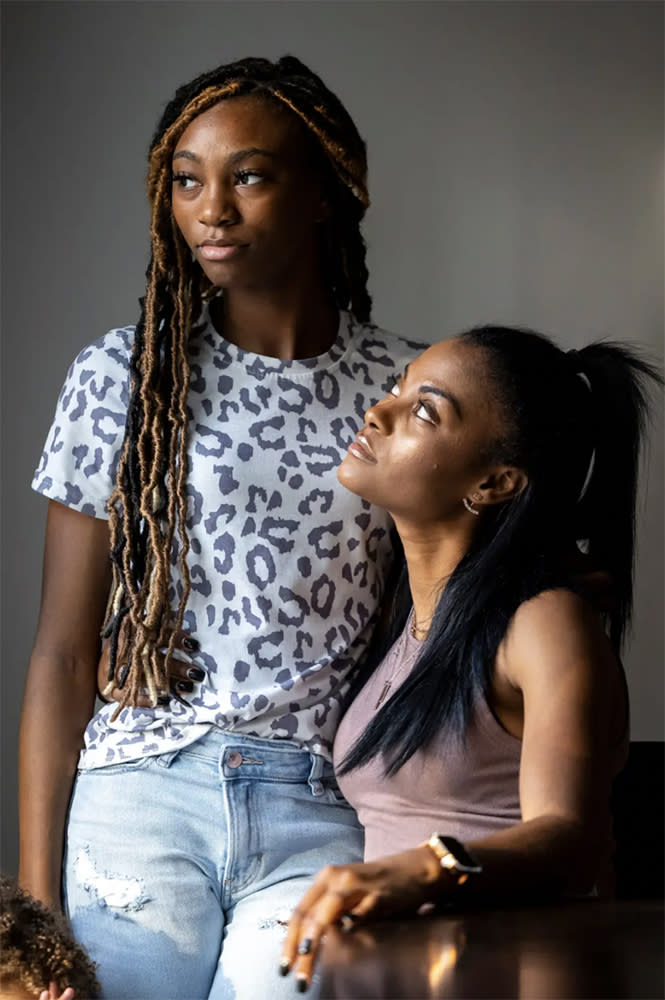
[460, 853]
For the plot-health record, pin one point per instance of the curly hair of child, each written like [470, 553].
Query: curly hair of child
[37, 948]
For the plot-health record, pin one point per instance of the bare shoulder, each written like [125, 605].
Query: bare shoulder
[556, 630]
[555, 608]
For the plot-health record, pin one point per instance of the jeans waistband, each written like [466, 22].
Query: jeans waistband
[244, 758]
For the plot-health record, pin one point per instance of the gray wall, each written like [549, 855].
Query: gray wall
[516, 156]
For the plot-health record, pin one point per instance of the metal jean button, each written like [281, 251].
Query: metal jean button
[234, 759]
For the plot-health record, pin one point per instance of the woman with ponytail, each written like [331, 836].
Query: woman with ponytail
[485, 726]
[197, 449]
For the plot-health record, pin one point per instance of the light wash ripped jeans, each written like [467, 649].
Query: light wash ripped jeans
[181, 870]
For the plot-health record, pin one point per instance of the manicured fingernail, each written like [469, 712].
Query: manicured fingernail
[189, 643]
[196, 674]
[163, 699]
[305, 946]
[185, 686]
[301, 984]
[284, 967]
[122, 675]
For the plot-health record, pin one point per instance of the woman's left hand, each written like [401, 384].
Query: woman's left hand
[397, 884]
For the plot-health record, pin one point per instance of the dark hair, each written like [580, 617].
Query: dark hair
[574, 423]
[149, 504]
[37, 948]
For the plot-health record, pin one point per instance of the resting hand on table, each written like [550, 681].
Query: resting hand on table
[183, 674]
[401, 883]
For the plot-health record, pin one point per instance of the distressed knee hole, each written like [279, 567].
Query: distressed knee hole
[280, 918]
[120, 892]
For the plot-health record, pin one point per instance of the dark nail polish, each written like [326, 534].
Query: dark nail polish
[196, 674]
[163, 699]
[305, 946]
[301, 984]
[284, 967]
[122, 675]
[191, 644]
[185, 686]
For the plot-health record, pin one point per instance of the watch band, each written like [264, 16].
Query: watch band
[454, 857]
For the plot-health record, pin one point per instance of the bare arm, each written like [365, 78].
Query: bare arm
[558, 658]
[559, 664]
[60, 690]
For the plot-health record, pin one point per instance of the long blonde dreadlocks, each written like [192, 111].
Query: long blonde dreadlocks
[148, 506]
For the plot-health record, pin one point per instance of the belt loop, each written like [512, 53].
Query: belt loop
[316, 773]
[166, 759]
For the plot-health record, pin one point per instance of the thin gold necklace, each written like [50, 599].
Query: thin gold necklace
[415, 629]
[399, 656]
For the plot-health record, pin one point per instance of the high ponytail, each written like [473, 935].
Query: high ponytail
[618, 382]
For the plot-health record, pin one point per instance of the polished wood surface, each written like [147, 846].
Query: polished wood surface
[564, 951]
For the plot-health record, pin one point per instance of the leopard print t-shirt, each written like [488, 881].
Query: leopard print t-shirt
[286, 565]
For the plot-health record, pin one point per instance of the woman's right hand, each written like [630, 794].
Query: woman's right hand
[398, 884]
[183, 674]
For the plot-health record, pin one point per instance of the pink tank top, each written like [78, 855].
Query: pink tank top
[464, 790]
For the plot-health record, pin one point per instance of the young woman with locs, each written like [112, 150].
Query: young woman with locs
[484, 729]
[200, 448]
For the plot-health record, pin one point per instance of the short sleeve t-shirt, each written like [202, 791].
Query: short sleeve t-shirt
[286, 566]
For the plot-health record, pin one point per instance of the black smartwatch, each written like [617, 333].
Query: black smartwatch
[454, 857]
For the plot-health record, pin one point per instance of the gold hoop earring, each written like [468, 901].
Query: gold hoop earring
[469, 506]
